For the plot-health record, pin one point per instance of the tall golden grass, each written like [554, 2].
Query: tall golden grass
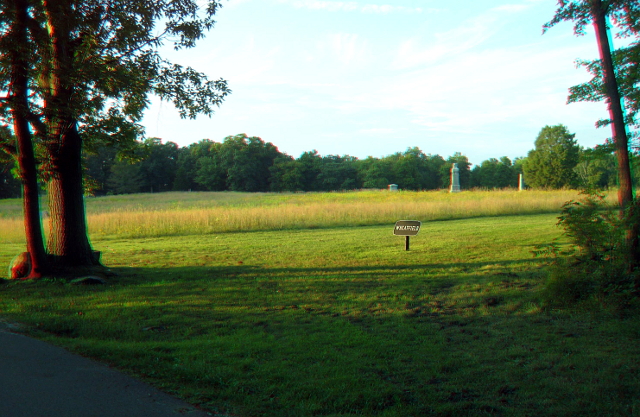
[173, 214]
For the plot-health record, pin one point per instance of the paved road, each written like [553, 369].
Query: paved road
[41, 380]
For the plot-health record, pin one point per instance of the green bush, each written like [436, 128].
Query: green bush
[595, 268]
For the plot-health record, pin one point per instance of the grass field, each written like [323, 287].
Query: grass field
[174, 214]
[336, 320]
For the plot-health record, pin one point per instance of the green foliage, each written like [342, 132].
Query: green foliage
[495, 174]
[286, 174]
[415, 170]
[551, 164]
[374, 173]
[338, 173]
[597, 169]
[311, 166]
[158, 165]
[209, 171]
[624, 17]
[595, 267]
[239, 163]
[184, 179]
[97, 167]
[246, 161]
[10, 187]
[116, 63]
[125, 178]
[258, 166]
[211, 175]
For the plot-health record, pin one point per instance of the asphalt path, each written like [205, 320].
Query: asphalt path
[38, 379]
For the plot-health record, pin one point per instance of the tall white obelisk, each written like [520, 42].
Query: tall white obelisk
[455, 179]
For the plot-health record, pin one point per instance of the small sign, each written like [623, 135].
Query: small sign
[406, 228]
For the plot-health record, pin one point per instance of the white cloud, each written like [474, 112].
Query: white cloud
[247, 62]
[348, 48]
[349, 6]
[379, 131]
[384, 9]
[512, 8]
[413, 53]
[331, 6]
[474, 92]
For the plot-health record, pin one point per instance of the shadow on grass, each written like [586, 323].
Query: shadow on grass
[196, 272]
[429, 339]
[464, 289]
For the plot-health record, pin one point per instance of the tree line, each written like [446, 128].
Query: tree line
[243, 163]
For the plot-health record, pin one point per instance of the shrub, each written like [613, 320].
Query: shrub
[595, 268]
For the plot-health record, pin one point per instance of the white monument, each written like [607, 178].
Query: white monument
[455, 179]
[520, 182]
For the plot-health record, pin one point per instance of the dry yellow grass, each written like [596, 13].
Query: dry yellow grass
[188, 214]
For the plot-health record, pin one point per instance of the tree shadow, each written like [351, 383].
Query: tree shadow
[502, 267]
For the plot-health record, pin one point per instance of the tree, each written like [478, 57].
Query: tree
[494, 173]
[97, 164]
[125, 178]
[158, 165]
[16, 62]
[551, 164]
[414, 170]
[338, 173]
[311, 167]
[625, 14]
[596, 169]
[247, 161]
[186, 169]
[90, 66]
[286, 174]
[9, 185]
[375, 173]
[211, 173]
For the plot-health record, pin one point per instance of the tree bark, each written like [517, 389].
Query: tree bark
[68, 243]
[26, 156]
[618, 129]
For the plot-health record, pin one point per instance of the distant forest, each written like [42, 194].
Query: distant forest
[243, 163]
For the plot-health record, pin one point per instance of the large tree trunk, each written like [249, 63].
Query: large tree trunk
[26, 157]
[30, 199]
[68, 243]
[618, 129]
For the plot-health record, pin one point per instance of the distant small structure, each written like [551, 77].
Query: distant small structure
[393, 187]
[455, 179]
[520, 182]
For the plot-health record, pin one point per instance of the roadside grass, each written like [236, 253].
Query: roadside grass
[343, 322]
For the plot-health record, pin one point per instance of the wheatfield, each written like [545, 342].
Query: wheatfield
[171, 214]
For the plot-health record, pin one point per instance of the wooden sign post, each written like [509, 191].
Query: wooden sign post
[406, 228]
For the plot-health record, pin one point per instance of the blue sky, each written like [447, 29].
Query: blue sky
[371, 78]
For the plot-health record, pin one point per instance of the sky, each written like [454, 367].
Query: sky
[375, 77]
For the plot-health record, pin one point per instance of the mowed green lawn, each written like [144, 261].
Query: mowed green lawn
[343, 321]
